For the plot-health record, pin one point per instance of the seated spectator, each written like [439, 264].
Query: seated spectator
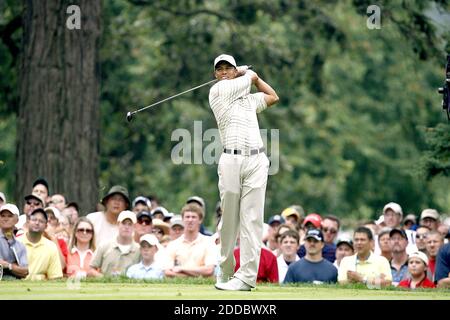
[433, 244]
[273, 224]
[13, 255]
[384, 243]
[364, 266]
[147, 268]
[201, 202]
[274, 242]
[32, 202]
[114, 257]
[81, 248]
[176, 227]
[143, 226]
[105, 222]
[344, 248]
[43, 255]
[313, 267]
[417, 265]
[289, 243]
[267, 268]
[141, 203]
[399, 264]
[442, 274]
[193, 254]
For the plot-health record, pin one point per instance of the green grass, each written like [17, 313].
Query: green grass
[200, 289]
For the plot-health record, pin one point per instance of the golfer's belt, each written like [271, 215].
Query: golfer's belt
[240, 152]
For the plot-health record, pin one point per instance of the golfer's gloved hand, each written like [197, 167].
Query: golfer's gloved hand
[242, 69]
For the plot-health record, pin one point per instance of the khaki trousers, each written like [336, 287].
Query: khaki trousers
[242, 187]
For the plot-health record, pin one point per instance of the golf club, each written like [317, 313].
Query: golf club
[131, 113]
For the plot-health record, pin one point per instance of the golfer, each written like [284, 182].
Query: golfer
[243, 169]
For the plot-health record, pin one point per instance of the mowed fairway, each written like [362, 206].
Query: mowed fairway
[55, 290]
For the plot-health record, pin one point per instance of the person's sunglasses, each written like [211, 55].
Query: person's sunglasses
[32, 203]
[82, 230]
[421, 236]
[145, 222]
[329, 230]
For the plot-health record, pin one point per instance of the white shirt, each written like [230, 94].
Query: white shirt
[235, 111]
[283, 267]
[104, 231]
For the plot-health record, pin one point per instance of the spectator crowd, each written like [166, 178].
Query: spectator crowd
[140, 239]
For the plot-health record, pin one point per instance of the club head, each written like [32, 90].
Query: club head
[129, 116]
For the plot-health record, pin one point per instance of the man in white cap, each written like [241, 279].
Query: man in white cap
[430, 218]
[13, 255]
[243, 168]
[393, 216]
[147, 268]
[114, 257]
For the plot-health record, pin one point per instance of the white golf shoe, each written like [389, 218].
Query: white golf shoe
[233, 285]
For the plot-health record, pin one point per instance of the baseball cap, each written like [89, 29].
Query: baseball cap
[429, 213]
[197, 199]
[314, 233]
[419, 254]
[36, 197]
[275, 218]
[394, 207]
[345, 240]
[143, 213]
[161, 210]
[177, 220]
[119, 190]
[142, 199]
[313, 218]
[150, 239]
[41, 181]
[410, 217]
[39, 210]
[127, 214]
[11, 208]
[290, 212]
[227, 58]
[55, 212]
[401, 231]
[2, 196]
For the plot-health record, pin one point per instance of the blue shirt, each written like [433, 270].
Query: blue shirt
[12, 251]
[328, 251]
[139, 271]
[442, 263]
[399, 275]
[304, 270]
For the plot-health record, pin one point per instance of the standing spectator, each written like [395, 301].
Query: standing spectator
[58, 201]
[444, 230]
[330, 228]
[32, 201]
[434, 243]
[176, 227]
[147, 268]
[160, 228]
[442, 275]
[74, 211]
[13, 255]
[417, 266]
[40, 188]
[141, 203]
[399, 263]
[430, 218]
[384, 243]
[289, 243]
[393, 215]
[105, 222]
[193, 254]
[291, 216]
[313, 221]
[159, 213]
[409, 223]
[114, 257]
[344, 248]
[421, 238]
[313, 267]
[143, 226]
[43, 256]
[81, 247]
[364, 266]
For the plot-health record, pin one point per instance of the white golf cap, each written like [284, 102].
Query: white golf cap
[394, 207]
[11, 208]
[429, 213]
[420, 255]
[151, 240]
[2, 197]
[227, 58]
[55, 212]
[127, 214]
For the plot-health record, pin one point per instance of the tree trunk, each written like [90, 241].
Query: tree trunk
[58, 124]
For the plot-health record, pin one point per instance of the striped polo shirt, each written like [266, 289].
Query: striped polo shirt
[235, 111]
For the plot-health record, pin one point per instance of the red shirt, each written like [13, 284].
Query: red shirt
[268, 267]
[425, 283]
[432, 265]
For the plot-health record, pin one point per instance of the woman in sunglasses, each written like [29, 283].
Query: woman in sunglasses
[81, 248]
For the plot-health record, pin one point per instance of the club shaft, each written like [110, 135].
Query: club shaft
[174, 96]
